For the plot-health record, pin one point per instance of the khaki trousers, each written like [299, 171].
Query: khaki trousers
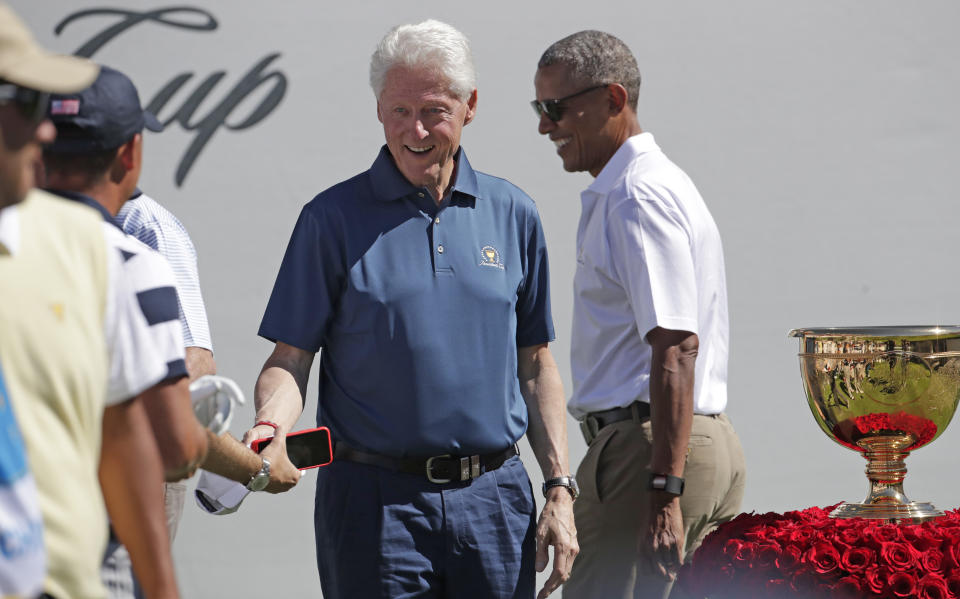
[614, 501]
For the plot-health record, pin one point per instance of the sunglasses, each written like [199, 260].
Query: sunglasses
[554, 109]
[31, 103]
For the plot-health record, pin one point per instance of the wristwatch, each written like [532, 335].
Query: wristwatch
[260, 480]
[562, 481]
[666, 482]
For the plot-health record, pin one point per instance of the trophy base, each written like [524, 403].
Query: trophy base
[913, 511]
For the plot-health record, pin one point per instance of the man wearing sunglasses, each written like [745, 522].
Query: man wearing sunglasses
[664, 466]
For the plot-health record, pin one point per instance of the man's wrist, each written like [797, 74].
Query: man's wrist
[567, 484]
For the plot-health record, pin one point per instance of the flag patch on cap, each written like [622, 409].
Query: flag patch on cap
[67, 107]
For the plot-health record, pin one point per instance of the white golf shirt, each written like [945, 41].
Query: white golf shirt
[648, 255]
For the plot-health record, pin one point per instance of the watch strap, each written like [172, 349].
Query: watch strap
[569, 482]
[667, 483]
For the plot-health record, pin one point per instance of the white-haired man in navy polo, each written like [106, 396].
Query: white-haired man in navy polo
[425, 283]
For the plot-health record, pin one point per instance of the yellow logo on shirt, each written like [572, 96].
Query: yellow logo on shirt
[490, 256]
[57, 309]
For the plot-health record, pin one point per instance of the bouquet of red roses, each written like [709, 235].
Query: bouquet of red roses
[808, 554]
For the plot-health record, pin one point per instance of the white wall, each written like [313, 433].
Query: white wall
[821, 134]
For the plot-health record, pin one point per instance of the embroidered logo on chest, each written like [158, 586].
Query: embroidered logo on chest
[490, 256]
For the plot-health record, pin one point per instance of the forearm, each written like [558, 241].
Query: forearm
[230, 458]
[181, 439]
[200, 362]
[542, 390]
[282, 386]
[131, 477]
[671, 400]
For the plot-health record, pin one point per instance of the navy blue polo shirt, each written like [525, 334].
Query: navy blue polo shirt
[419, 309]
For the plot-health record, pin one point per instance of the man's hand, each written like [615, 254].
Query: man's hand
[283, 474]
[661, 538]
[555, 527]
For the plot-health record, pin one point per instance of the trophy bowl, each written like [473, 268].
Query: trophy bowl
[882, 391]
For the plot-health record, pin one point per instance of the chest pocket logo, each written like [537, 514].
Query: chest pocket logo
[490, 256]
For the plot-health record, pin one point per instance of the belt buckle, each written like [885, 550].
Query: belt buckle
[430, 477]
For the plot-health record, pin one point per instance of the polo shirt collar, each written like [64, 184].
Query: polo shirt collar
[87, 200]
[9, 230]
[390, 184]
[613, 171]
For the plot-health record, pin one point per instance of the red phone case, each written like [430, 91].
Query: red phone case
[258, 444]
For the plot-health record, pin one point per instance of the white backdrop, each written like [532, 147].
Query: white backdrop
[821, 134]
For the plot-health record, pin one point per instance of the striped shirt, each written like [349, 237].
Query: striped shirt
[150, 282]
[155, 226]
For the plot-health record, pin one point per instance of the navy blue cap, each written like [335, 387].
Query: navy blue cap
[104, 116]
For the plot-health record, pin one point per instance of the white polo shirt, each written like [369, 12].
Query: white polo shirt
[648, 255]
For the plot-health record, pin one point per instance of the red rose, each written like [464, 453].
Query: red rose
[805, 583]
[933, 586]
[767, 555]
[902, 584]
[849, 586]
[875, 535]
[876, 578]
[888, 533]
[804, 535]
[851, 535]
[741, 552]
[953, 583]
[823, 556]
[921, 537]
[789, 559]
[951, 555]
[931, 560]
[899, 556]
[857, 559]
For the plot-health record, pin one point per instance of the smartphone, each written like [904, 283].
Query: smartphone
[306, 449]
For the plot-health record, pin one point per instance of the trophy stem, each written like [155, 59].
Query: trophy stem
[886, 470]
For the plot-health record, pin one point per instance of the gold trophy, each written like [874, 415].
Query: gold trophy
[882, 391]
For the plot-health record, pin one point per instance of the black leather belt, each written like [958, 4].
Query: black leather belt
[594, 421]
[439, 469]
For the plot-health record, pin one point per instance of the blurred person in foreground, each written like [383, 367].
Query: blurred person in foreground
[664, 466]
[73, 340]
[96, 160]
[425, 283]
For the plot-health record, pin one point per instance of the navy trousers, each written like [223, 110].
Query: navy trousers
[389, 535]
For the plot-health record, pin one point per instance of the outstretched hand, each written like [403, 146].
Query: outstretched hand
[556, 528]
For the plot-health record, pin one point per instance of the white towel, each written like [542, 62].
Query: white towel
[218, 495]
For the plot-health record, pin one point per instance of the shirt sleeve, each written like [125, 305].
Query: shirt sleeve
[143, 331]
[308, 285]
[135, 365]
[534, 319]
[651, 254]
[170, 238]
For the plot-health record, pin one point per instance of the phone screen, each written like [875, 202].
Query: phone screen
[307, 449]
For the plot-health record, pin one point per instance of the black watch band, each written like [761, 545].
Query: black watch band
[666, 482]
[562, 481]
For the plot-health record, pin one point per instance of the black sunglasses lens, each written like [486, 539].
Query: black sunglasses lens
[35, 108]
[553, 110]
[31, 103]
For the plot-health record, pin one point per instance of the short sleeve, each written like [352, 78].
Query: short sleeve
[651, 253]
[308, 284]
[534, 319]
[135, 364]
[164, 233]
